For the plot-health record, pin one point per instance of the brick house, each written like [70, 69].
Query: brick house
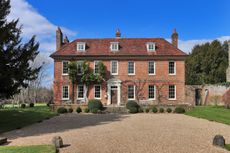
[150, 70]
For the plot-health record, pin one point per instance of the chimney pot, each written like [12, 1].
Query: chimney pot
[118, 33]
[59, 38]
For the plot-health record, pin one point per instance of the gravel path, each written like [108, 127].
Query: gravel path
[114, 133]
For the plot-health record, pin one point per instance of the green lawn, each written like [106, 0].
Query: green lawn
[227, 146]
[212, 113]
[15, 118]
[28, 149]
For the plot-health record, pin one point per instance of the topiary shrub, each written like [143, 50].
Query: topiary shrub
[95, 103]
[169, 110]
[78, 110]
[23, 105]
[161, 110]
[132, 103]
[31, 105]
[154, 110]
[140, 110]
[133, 110]
[70, 110]
[94, 110]
[61, 110]
[86, 110]
[179, 110]
[146, 110]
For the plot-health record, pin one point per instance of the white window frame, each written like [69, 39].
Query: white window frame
[95, 66]
[174, 68]
[133, 68]
[80, 98]
[154, 92]
[63, 94]
[63, 68]
[78, 65]
[111, 64]
[112, 47]
[94, 91]
[81, 49]
[174, 91]
[151, 49]
[134, 92]
[153, 66]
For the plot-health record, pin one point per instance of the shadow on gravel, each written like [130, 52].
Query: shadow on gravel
[63, 123]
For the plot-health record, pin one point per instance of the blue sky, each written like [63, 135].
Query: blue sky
[197, 21]
[194, 19]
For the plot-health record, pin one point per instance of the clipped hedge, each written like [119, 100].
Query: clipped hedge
[133, 110]
[95, 104]
[154, 110]
[132, 103]
[61, 110]
[86, 110]
[78, 110]
[169, 110]
[70, 110]
[161, 110]
[31, 105]
[23, 105]
[94, 110]
[179, 110]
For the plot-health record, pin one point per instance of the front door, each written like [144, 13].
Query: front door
[114, 95]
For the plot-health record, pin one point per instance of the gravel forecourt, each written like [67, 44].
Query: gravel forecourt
[117, 133]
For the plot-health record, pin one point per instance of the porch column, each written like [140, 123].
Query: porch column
[108, 94]
[119, 94]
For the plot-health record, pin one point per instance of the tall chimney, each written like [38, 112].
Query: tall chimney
[66, 40]
[118, 33]
[59, 38]
[175, 38]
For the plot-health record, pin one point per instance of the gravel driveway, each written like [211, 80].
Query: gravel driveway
[112, 133]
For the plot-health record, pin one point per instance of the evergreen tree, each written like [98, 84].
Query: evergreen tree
[15, 57]
[207, 64]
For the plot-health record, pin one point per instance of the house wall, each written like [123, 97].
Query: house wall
[160, 79]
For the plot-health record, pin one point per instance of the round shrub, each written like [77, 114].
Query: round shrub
[31, 105]
[86, 110]
[154, 110]
[133, 110]
[179, 110]
[70, 110]
[23, 105]
[146, 110]
[131, 104]
[94, 110]
[169, 110]
[161, 110]
[78, 110]
[61, 110]
[95, 103]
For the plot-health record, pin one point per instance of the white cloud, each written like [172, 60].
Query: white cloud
[187, 45]
[34, 23]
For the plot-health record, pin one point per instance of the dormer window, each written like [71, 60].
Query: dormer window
[114, 46]
[81, 46]
[151, 46]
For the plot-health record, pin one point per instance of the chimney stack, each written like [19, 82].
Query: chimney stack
[175, 38]
[118, 34]
[59, 38]
[228, 69]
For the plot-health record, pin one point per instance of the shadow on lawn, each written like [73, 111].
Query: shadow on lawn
[63, 123]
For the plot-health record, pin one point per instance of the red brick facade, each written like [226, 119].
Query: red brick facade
[128, 51]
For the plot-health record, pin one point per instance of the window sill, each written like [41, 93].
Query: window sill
[173, 74]
[96, 98]
[172, 99]
[152, 74]
[65, 99]
[65, 74]
[131, 74]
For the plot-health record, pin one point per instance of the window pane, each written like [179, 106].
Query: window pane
[114, 67]
[80, 93]
[130, 92]
[96, 67]
[80, 67]
[65, 68]
[151, 92]
[65, 92]
[172, 92]
[131, 67]
[151, 67]
[97, 91]
[171, 67]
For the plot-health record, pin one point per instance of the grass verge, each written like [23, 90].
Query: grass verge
[28, 149]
